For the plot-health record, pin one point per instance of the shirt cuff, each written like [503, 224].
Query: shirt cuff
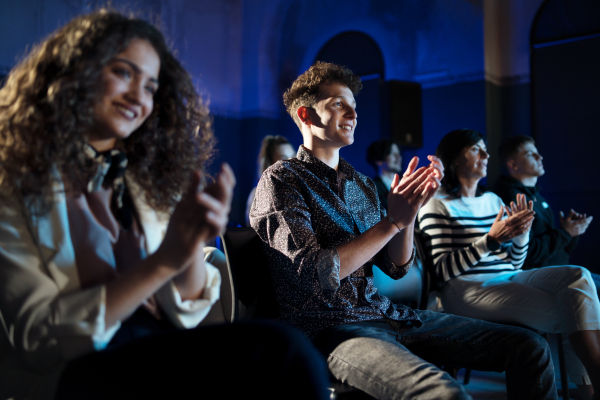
[397, 272]
[481, 247]
[328, 269]
[186, 314]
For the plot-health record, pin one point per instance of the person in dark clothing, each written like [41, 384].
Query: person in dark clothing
[384, 156]
[548, 244]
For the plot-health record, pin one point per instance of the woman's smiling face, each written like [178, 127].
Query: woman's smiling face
[472, 162]
[130, 80]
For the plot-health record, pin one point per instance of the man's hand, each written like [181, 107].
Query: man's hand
[520, 218]
[574, 223]
[409, 194]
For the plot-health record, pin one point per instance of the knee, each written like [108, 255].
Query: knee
[535, 347]
[581, 278]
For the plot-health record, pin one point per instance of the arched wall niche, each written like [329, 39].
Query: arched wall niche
[362, 55]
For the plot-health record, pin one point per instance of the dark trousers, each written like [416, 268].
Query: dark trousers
[264, 359]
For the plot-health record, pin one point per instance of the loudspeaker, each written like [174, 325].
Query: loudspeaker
[404, 117]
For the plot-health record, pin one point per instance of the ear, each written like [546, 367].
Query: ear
[511, 165]
[302, 113]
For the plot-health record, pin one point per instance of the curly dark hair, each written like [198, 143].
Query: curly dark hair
[46, 113]
[449, 149]
[305, 89]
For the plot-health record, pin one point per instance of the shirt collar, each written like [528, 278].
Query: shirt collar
[319, 168]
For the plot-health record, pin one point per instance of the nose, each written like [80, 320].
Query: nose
[484, 154]
[539, 157]
[135, 92]
[351, 113]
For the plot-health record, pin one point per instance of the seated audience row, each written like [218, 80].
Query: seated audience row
[106, 209]
[324, 228]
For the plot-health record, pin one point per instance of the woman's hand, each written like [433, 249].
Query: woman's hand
[409, 194]
[520, 218]
[201, 215]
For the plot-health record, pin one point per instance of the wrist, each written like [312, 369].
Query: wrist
[393, 223]
[491, 243]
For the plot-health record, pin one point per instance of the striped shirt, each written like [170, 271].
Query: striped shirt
[454, 234]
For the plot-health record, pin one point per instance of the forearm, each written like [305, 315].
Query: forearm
[191, 282]
[400, 248]
[125, 294]
[358, 251]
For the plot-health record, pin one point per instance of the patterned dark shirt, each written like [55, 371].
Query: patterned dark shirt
[303, 209]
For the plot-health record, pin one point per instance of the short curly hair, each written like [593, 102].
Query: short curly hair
[46, 113]
[510, 147]
[305, 89]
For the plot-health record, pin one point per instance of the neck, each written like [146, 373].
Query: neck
[386, 174]
[468, 186]
[329, 155]
[529, 181]
[103, 144]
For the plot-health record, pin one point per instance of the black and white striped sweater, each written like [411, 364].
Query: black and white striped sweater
[454, 232]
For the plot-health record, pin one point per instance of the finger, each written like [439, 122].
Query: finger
[413, 182]
[210, 204]
[429, 196]
[438, 166]
[530, 208]
[500, 214]
[228, 175]
[411, 166]
[561, 216]
[521, 202]
[395, 182]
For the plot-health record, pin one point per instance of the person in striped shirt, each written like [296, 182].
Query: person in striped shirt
[477, 256]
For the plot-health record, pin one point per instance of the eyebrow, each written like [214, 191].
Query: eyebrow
[353, 103]
[134, 67]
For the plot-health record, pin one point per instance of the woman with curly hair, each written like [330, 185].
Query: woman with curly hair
[104, 216]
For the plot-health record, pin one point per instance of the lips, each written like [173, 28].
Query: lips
[126, 111]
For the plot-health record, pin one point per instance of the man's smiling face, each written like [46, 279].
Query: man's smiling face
[334, 115]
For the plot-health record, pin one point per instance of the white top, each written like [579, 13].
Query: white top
[46, 318]
[455, 236]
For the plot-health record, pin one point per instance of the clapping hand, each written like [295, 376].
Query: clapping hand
[414, 190]
[520, 217]
[201, 215]
[574, 223]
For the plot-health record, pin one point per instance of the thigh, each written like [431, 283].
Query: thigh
[461, 342]
[555, 279]
[369, 357]
[503, 299]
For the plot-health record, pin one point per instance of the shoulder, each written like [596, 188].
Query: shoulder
[491, 197]
[438, 205]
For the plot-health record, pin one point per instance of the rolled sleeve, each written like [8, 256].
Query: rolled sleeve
[186, 314]
[385, 264]
[328, 270]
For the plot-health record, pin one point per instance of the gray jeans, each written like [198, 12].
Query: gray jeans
[391, 360]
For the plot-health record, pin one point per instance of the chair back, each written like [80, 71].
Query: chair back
[254, 296]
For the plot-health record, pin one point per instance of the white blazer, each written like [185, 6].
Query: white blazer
[46, 319]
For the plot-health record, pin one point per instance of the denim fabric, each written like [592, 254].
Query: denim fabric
[393, 360]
